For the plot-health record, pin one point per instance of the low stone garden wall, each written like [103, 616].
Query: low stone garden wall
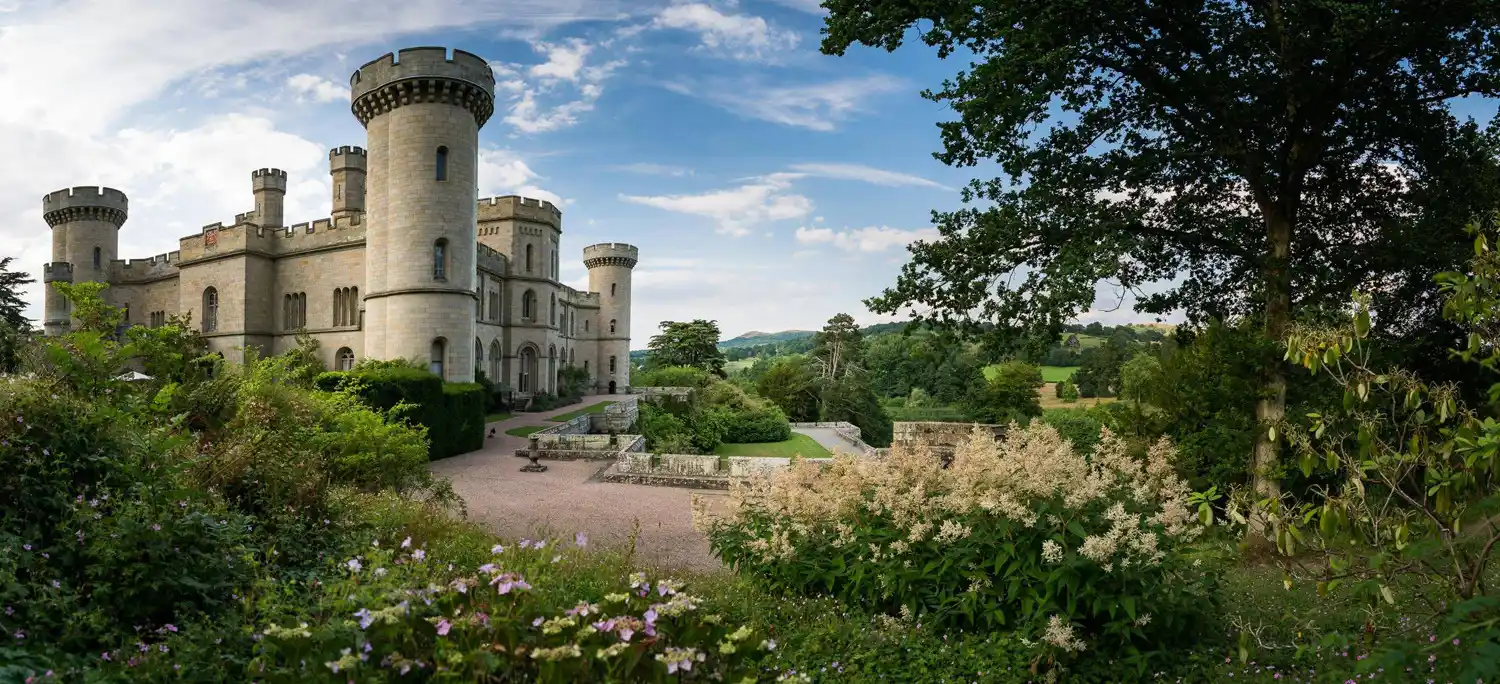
[617, 417]
[941, 438]
[701, 471]
[577, 439]
[648, 393]
[848, 432]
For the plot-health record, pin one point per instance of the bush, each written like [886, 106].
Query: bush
[1081, 427]
[767, 424]
[1067, 391]
[673, 376]
[453, 413]
[1024, 534]
[1009, 395]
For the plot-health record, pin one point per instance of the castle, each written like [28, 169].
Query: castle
[411, 264]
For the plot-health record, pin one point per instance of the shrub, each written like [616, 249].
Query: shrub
[665, 433]
[396, 610]
[1081, 427]
[453, 413]
[1009, 395]
[459, 429]
[1022, 534]
[1067, 391]
[767, 424]
[673, 376]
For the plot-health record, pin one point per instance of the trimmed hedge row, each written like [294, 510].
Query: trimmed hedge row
[453, 413]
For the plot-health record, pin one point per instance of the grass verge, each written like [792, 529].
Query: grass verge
[798, 445]
[592, 408]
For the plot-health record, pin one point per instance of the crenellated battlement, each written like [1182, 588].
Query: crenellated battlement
[144, 270]
[268, 179]
[517, 207]
[57, 271]
[423, 74]
[85, 203]
[489, 259]
[611, 254]
[348, 157]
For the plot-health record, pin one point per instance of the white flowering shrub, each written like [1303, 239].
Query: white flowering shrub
[402, 615]
[1083, 553]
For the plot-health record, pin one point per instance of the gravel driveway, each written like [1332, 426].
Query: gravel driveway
[567, 499]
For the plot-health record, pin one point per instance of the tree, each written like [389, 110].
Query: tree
[1138, 377]
[15, 327]
[1099, 374]
[791, 385]
[1254, 156]
[1009, 395]
[849, 399]
[1068, 392]
[694, 343]
[838, 347]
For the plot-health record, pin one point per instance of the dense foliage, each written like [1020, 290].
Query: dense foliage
[693, 344]
[714, 413]
[1028, 534]
[453, 414]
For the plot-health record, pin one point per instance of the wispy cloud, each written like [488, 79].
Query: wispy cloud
[566, 75]
[734, 36]
[650, 169]
[870, 239]
[317, 88]
[736, 211]
[503, 172]
[814, 106]
[866, 174]
[809, 6]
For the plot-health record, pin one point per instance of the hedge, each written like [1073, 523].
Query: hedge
[757, 426]
[453, 413]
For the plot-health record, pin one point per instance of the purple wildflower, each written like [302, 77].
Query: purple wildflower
[418, 554]
[405, 543]
[649, 616]
[354, 565]
[499, 549]
[581, 539]
[155, 527]
[443, 626]
[365, 618]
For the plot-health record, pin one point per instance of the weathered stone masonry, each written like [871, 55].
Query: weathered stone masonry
[411, 264]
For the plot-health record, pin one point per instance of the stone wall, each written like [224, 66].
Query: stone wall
[941, 438]
[617, 417]
[649, 393]
[846, 431]
[703, 471]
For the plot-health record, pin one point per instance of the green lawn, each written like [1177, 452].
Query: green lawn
[742, 364]
[798, 445]
[1049, 373]
[496, 417]
[524, 430]
[593, 408]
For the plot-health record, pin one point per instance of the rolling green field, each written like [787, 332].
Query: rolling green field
[592, 408]
[736, 366]
[1049, 373]
[798, 445]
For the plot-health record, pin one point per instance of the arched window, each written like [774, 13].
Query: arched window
[528, 305]
[612, 289]
[338, 306]
[210, 310]
[552, 312]
[611, 326]
[494, 306]
[344, 359]
[572, 356]
[528, 368]
[611, 365]
[528, 258]
[351, 300]
[439, 354]
[440, 259]
[98, 257]
[586, 367]
[442, 163]
[478, 357]
[495, 361]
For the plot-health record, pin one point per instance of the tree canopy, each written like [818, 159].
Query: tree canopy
[1244, 157]
[692, 343]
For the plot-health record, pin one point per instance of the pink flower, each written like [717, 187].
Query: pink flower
[443, 626]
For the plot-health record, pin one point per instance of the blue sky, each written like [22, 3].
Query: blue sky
[767, 186]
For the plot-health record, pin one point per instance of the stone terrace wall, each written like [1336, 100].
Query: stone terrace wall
[703, 471]
[617, 417]
[848, 432]
[680, 393]
[941, 438]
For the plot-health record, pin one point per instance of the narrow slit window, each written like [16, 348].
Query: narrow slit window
[440, 259]
[98, 257]
[442, 163]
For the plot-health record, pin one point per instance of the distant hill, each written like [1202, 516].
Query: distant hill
[755, 338]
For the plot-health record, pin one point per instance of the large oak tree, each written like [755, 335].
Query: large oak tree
[1246, 157]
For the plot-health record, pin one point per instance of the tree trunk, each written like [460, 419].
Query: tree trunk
[1270, 407]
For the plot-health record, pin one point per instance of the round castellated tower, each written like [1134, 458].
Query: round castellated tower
[422, 111]
[610, 265]
[85, 238]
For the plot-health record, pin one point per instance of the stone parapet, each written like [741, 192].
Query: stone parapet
[85, 203]
[423, 74]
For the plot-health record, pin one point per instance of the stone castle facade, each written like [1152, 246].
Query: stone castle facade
[411, 264]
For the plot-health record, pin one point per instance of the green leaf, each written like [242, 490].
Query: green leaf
[1362, 323]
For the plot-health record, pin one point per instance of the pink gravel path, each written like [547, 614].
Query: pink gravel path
[568, 499]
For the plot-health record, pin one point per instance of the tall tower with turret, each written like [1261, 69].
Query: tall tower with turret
[85, 239]
[610, 265]
[422, 110]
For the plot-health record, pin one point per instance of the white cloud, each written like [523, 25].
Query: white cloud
[870, 239]
[316, 87]
[567, 63]
[75, 71]
[865, 173]
[501, 172]
[735, 36]
[650, 169]
[815, 106]
[737, 210]
[809, 6]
